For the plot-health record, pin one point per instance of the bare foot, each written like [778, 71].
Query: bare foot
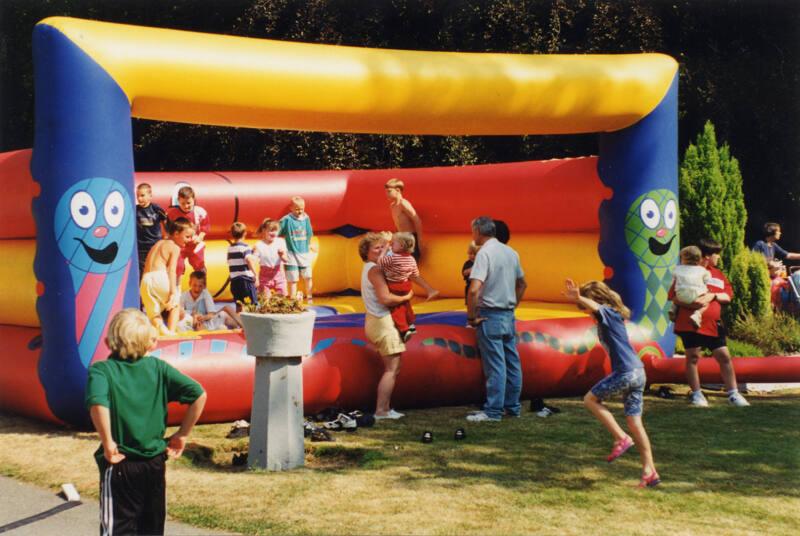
[432, 295]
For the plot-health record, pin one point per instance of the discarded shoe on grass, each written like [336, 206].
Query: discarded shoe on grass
[459, 434]
[320, 434]
[342, 422]
[240, 428]
[427, 437]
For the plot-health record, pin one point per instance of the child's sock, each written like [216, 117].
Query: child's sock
[733, 392]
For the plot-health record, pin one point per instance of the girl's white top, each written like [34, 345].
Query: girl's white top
[268, 253]
[371, 303]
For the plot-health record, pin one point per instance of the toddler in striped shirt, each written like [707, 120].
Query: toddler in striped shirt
[400, 269]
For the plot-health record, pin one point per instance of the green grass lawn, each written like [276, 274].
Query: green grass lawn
[725, 470]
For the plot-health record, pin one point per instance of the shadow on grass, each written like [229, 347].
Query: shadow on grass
[742, 451]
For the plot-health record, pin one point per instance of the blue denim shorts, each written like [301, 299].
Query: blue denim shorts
[630, 384]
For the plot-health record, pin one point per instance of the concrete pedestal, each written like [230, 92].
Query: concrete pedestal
[276, 419]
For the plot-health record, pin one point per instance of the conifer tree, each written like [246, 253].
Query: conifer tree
[711, 198]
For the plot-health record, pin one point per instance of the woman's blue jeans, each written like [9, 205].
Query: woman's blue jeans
[497, 341]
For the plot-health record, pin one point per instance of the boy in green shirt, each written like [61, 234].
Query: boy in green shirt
[127, 398]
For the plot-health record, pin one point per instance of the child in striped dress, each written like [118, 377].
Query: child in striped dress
[400, 269]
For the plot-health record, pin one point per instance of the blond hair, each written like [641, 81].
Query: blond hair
[297, 201]
[691, 255]
[406, 241]
[601, 293]
[366, 243]
[268, 225]
[472, 248]
[144, 186]
[130, 334]
[395, 183]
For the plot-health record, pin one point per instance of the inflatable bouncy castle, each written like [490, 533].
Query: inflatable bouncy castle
[71, 264]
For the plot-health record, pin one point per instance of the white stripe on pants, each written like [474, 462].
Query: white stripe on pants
[107, 504]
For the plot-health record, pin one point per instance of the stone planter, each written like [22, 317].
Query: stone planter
[274, 335]
[278, 342]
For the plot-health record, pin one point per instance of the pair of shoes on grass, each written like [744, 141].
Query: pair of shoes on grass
[342, 422]
[698, 399]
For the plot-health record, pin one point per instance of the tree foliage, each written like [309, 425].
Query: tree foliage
[740, 67]
[710, 191]
[751, 287]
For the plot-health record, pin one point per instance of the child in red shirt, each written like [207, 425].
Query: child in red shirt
[194, 250]
[400, 269]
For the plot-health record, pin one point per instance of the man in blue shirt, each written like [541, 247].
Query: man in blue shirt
[497, 284]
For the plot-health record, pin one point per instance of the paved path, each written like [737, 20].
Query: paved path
[27, 510]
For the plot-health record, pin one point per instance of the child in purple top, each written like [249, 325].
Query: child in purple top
[627, 373]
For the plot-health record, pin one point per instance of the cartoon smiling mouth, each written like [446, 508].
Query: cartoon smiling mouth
[103, 256]
[657, 248]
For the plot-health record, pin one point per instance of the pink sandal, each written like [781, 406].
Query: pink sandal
[650, 481]
[620, 447]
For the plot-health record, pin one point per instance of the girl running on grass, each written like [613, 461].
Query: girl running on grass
[627, 373]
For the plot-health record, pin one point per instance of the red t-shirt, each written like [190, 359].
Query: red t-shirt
[198, 216]
[717, 284]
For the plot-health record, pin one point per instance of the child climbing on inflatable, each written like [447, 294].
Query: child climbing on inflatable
[159, 285]
[271, 253]
[194, 250]
[627, 373]
[400, 269]
[198, 303]
[690, 281]
[295, 227]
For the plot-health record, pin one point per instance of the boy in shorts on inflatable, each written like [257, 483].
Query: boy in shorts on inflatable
[159, 285]
[295, 228]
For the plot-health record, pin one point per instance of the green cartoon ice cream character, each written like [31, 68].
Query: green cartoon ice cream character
[651, 230]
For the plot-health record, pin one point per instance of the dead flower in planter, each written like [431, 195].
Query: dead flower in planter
[273, 303]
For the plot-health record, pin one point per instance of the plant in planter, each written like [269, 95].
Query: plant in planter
[279, 331]
[277, 326]
[273, 303]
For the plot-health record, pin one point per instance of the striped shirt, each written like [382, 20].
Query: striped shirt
[398, 267]
[237, 261]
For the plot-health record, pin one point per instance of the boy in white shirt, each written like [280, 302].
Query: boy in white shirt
[198, 303]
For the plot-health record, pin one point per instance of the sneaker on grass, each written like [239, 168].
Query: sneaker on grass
[698, 399]
[482, 417]
[391, 414]
[736, 399]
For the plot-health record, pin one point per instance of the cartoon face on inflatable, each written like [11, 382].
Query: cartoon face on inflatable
[93, 225]
[651, 228]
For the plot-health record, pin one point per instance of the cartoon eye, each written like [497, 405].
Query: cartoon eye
[670, 214]
[650, 213]
[82, 209]
[114, 209]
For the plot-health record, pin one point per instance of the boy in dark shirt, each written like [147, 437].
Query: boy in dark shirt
[149, 220]
[127, 397]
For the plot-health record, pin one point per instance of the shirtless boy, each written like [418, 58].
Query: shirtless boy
[405, 217]
[159, 288]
